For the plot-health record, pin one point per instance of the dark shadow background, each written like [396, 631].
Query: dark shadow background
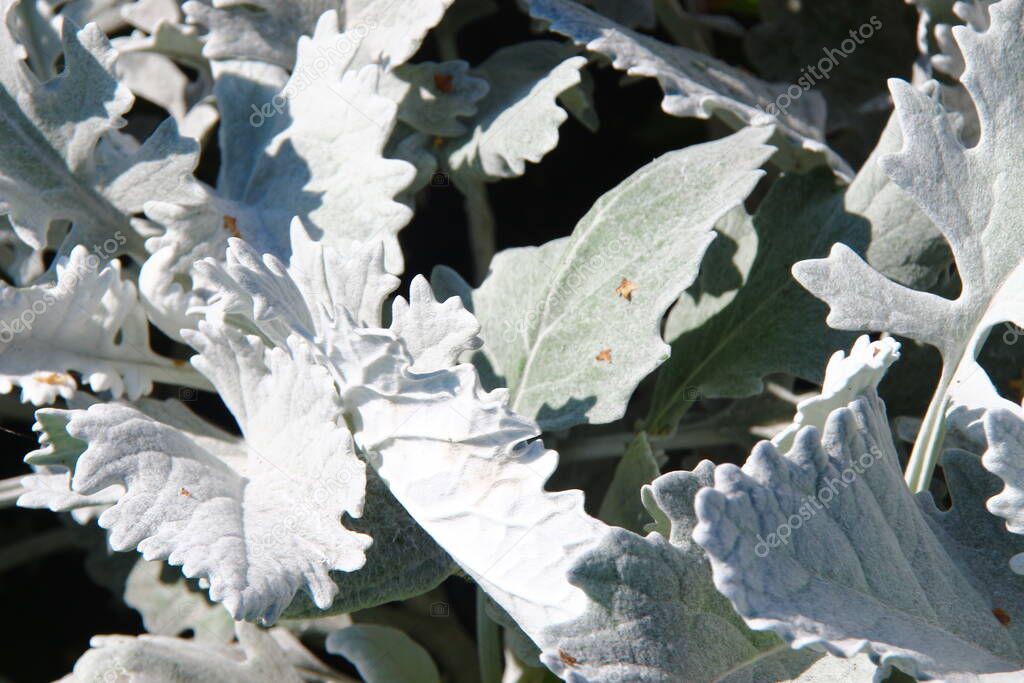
[51, 607]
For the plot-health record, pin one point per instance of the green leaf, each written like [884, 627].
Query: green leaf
[383, 654]
[622, 505]
[747, 317]
[574, 325]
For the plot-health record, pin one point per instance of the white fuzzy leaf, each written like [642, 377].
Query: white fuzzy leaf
[453, 455]
[826, 546]
[314, 150]
[88, 322]
[846, 377]
[153, 659]
[517, 121]
[48, 140]
[258, 519]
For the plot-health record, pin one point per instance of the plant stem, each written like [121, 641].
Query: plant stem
[927, 446]
[488, 638]
[35, 547]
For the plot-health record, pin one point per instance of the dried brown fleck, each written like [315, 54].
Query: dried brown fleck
[51, 378]
[438, 142]
[1002, 616]
[444, 82]
[231, 225]
[605, 356]
[567, 658]
[626, 289]
[185, 492]
[179, 362]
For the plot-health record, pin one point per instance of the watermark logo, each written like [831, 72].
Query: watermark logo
[812, 505]
[822, 70]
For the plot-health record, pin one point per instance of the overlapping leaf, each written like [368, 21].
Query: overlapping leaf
[968, 193]
[746, 317]
[258, 525]
[826, 546]
[49, 134]
[314, 150]
[696, 84]
[88, 322]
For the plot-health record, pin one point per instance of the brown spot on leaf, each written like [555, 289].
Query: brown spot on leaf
[179, 362]
[626, 289]
[438, 142]
[51, 378]
[185, 492]
[605, 356]
[231, 225]
[444, 82]
[567, 658]
[1002, 616]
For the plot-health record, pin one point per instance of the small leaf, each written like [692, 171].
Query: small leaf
[517, 121]
[383, 654]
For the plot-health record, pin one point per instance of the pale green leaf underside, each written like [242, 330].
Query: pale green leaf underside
[549, 313]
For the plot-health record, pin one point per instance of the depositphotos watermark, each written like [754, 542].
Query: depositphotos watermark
[822, 70]
[69, 278]
[819, 501]
[343, 46]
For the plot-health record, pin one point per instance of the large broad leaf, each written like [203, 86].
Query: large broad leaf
[698, 85]
[89, 321]
[50, 168]
[383, 654]
[394, 30]
[970, 196]
[826, 546]
[574, 325]
[159, 658]
[259, 519]
[725, 346]
[456, 458]
[517, 121]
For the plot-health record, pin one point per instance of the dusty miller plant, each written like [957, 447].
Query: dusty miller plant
[746, 296]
